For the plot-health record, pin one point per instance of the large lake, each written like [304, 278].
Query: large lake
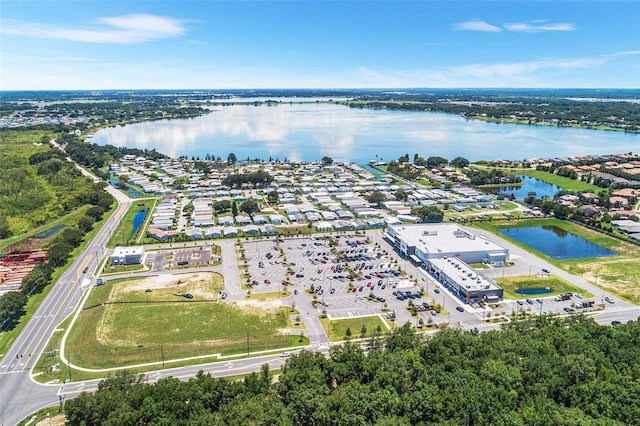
[309, 131]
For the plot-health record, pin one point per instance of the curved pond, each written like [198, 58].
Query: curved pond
[530, 184]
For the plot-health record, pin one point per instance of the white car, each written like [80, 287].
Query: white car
[285, 354]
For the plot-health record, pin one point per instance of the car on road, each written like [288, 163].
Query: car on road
[608, 299]
[285, 354]
[436, 291]
[223, 296]
[568, 309]
[546, 270]
[86, 268]
[267, 282]
[539, 301]
[254, 282]
[295, 292]
[333, 290]
[434, 313]
[615, 322]
[519, 302]
[529, 301]
[459, 309]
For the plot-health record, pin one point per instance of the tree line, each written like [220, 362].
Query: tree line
[542, 371]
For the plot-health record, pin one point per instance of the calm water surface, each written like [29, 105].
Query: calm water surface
[307, 132]
[530, 184]
[556, 242]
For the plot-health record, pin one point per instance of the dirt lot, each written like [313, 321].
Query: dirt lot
[195, 282]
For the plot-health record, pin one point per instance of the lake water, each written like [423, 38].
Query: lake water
[138, 219]
[309, 131]
[556, 242]
[530, 184]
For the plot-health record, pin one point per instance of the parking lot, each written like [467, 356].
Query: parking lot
[178, 258]
[344, 271]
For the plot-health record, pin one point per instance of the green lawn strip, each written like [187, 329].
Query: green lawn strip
[44, 417]
[132, 333]
[267, 296]
[556, 284]
[337, 329]
[123, 233]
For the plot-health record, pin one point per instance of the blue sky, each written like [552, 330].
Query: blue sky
[209, 44]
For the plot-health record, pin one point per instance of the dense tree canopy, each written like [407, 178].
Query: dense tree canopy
[543, 371]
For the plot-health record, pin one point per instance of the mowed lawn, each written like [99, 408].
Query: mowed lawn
[156, 329]
[556, 284]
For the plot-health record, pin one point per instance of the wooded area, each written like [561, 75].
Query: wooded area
[543, 371]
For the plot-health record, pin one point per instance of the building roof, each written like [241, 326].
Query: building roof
[443, 237]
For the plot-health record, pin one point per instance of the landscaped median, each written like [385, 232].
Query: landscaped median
[158, 319]
[355, 328]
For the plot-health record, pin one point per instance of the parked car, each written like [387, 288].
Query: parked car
[436, 291]
[295, 292]
[459, 309]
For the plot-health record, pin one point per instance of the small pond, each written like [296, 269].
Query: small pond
[530, 184]
[556, 242]
[539, 290]
[138, 219]
[50, 232]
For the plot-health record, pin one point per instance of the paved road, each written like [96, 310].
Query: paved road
[19, 395]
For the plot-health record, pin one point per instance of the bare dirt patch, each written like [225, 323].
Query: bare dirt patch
[197, 284]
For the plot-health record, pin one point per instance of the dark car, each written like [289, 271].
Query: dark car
[254, 282]
[333, 290]
[459, 309]
[436, 291]
[188, 296]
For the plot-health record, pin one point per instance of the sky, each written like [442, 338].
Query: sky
[211, 44]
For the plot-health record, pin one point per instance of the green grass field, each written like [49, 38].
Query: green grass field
[337, 329]
[158, 325]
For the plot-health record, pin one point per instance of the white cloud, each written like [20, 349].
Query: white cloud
[115, 30]
[538, 26]
[476, 26]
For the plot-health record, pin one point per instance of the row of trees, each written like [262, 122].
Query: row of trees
[541, 371]
[259, 179]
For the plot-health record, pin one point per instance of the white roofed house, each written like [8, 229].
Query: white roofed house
[194, 232]
[213, 232]
[268, 229]
[259, 219]
[251, 230]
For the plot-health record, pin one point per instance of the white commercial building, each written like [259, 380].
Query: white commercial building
[128, 255]
[445, 250]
